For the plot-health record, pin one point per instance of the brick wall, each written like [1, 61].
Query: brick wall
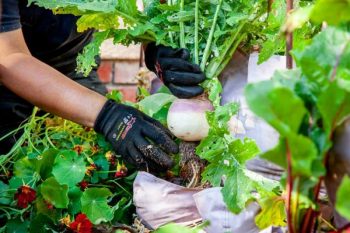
[119, 67]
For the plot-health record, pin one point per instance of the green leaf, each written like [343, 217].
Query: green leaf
[47, 161]
[5, 197]
[176, 228]
[334, 106]
[25, 170]
[272, 212]
[87, 60]
[304, 154]
[17, 226]
[100, 21]
[41, 223]
[154, 103]
[238, 190]
[103, 166]
[115, 95]
[243, 150]
[342, 203]
[277, 105]
[69, 168]
[95, 206]
[74, 195]
[42, 208]
[214, 89]
[82, 5]
[328, 53]
[297, 18]
[271, 47]
[331, 11]
[277, 155]
[55, 193]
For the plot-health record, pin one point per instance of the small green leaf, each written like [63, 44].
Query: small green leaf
[69, 168]
[238, 189]
[55, 193]
[244, 150]
[47, 160]
[95, 206]
[154, 103]
[5, 197]
[272, 212]
[25, 170]
[342, 203]
[115, 95]
[87, 59]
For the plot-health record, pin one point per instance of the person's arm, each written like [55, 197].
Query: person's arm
[140, 139]
[42, 85]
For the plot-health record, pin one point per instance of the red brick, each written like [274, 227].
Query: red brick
[129, 91]
[105, 71]
[126, 71]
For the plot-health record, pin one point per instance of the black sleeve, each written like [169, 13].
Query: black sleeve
[9, 15]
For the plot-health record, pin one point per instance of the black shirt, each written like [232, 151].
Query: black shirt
[53, 39]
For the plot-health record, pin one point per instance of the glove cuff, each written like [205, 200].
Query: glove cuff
[151, 56]
[107, 117]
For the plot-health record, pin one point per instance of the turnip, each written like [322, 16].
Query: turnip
[187, 119]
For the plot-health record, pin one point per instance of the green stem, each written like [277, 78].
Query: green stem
[196, 33]
[126, 16]
[230, 43]
[48, 138]
[120, 186]
[170, 2]
[211, 35]
[182, 27]
[12, 132]
[228, 56]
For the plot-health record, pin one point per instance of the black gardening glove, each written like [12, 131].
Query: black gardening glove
[138, 138]
[173, 67]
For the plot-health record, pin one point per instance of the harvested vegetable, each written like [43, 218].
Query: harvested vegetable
[187, 119]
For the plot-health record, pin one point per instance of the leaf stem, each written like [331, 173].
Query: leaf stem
[289, 189]
[196, 33]
[227, 58]
[182, 27]
[170, 2]
[210, 38]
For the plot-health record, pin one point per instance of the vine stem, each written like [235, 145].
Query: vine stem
[196, 33]
[210, 38]
[289, 189]
[182, 27]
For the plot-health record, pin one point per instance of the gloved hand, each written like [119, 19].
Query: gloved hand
[172, 66]
[138, 138]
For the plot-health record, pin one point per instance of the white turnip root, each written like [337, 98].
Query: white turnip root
[187, 119]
